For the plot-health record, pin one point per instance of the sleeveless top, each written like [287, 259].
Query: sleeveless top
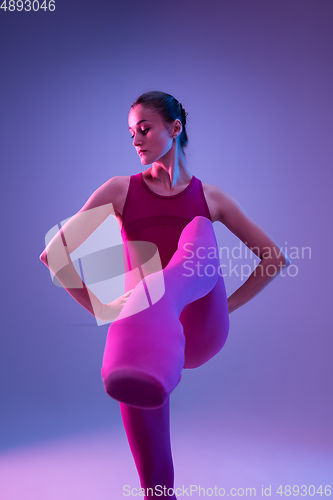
[159, 220]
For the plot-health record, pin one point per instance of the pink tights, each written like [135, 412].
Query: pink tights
[146, 351]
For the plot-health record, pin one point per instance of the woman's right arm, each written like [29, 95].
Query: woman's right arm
[73, 233]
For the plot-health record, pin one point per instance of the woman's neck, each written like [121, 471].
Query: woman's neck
[171, 169]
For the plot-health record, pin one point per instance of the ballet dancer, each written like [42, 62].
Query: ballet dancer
[173, 314]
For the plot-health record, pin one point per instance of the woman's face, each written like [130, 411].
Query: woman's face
[152, 136]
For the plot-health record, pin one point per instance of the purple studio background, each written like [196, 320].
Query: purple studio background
[256, 80]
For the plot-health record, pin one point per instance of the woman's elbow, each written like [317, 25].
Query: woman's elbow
[279, 263]
[43, 257]
[285, 261]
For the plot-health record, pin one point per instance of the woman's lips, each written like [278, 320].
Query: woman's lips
[141, 152]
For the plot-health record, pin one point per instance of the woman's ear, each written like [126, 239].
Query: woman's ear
[177, 128]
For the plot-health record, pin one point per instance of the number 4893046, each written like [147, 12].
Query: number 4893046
[27, 5]
[304, 490]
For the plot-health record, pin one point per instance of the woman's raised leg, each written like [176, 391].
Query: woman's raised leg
[144, 352]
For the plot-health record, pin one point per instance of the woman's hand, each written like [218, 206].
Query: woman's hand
[111, 311]
[231, 214]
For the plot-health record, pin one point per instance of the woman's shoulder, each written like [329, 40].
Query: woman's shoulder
[215, 192]
[211, 188]
[217, 199]
[119, 181]
[117, 188]
[112, 189]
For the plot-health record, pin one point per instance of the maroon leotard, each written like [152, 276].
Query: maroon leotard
[148, 216]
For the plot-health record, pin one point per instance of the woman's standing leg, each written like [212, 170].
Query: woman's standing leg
[148, 434]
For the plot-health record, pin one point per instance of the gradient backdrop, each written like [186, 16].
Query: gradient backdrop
[255, 77]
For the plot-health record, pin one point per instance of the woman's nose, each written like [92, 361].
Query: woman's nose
[136, 141]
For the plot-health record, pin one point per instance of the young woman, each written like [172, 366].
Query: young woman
[174, 312]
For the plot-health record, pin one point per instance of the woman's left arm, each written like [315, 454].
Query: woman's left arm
[273, 260]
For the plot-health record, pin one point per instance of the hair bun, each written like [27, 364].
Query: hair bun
[183, 114]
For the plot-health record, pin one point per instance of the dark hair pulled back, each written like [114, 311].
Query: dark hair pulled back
[168, 107]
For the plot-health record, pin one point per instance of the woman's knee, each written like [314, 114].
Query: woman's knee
[104, 378]
[200, 229]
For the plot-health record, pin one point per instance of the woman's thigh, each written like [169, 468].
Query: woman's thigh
[206, 325]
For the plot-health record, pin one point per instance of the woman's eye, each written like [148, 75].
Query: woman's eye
[144, 132]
